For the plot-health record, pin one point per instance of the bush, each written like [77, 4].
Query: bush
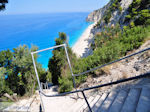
[128, 17]
[65, 85]
[120, 9]
[109, 45]
[18, 71]
[49, 77]
[147, 22]
[107, 17]
[132, 24]
[139, 12]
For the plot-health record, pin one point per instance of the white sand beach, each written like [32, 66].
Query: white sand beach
[82, 46]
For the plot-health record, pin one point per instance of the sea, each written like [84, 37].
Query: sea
[40, 30]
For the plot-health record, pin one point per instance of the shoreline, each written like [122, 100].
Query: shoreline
[82, 47]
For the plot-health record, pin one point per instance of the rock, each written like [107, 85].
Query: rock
[8, 96]
[130, 67]
[97, 15]
[116, 16]
[15, 96]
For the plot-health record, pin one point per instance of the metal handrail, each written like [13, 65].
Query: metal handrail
[36, 72]
[112, 62]
[95, 87]
[103, 85]
[98, 86]
[74, 75]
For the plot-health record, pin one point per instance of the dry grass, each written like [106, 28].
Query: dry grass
[124, 75]
[102, 71]
[148, 38]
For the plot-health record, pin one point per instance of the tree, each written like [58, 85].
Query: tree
[143, 17]
[55, 63]
[18, 71]
[6, 58]
[63, 36]
[3, 86]
[58, 65]
[3, 4]
[23, 64]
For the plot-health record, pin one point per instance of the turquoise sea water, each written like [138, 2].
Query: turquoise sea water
[40, 30]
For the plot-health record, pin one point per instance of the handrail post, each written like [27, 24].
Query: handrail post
[38, 81]
[86, 101]
[74, 83]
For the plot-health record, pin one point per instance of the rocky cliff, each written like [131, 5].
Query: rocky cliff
[97, 15]
[116, 14]
[121, 12]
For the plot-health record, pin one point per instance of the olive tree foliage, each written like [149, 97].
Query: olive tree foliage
[3, 86]
[17, 71]
[57, 61]
[58, 65]
[3, 4]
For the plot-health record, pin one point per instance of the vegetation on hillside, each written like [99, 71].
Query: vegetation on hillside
[16, 68]
[58, 65]
[115, 5]
[109, 44]
[17, 72]
[139, 13]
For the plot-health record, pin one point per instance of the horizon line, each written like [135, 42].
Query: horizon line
[44, 13]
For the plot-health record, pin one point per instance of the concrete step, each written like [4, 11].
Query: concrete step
[92, 103]
[119, 101]
[20, 106]
[90, 99]
[141, 86]
[57, 104]
[144, 81]
[99, 102]
[144, 101]
[76, 105]
[107, 103]
[131, 101]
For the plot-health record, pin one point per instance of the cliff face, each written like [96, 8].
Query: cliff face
[97, 15]
[117, 15]
[122, 12]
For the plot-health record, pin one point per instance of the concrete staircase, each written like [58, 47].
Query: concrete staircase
[130, 99]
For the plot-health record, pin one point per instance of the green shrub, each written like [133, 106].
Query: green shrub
[65, 85]
[128, 16]
[139, 12]
[120, 9]
[49, 77]
[107, 17]
[132, 24]
[112, 44]
[147, 22]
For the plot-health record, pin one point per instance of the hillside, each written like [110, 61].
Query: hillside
[118, 32]
[122, 12]
[114, 36]
[122, 27]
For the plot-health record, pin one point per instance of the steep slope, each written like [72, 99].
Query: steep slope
[114, 9]
[122, 12]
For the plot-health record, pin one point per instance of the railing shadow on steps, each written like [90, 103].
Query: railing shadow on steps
[103, 85]
[98, 86]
